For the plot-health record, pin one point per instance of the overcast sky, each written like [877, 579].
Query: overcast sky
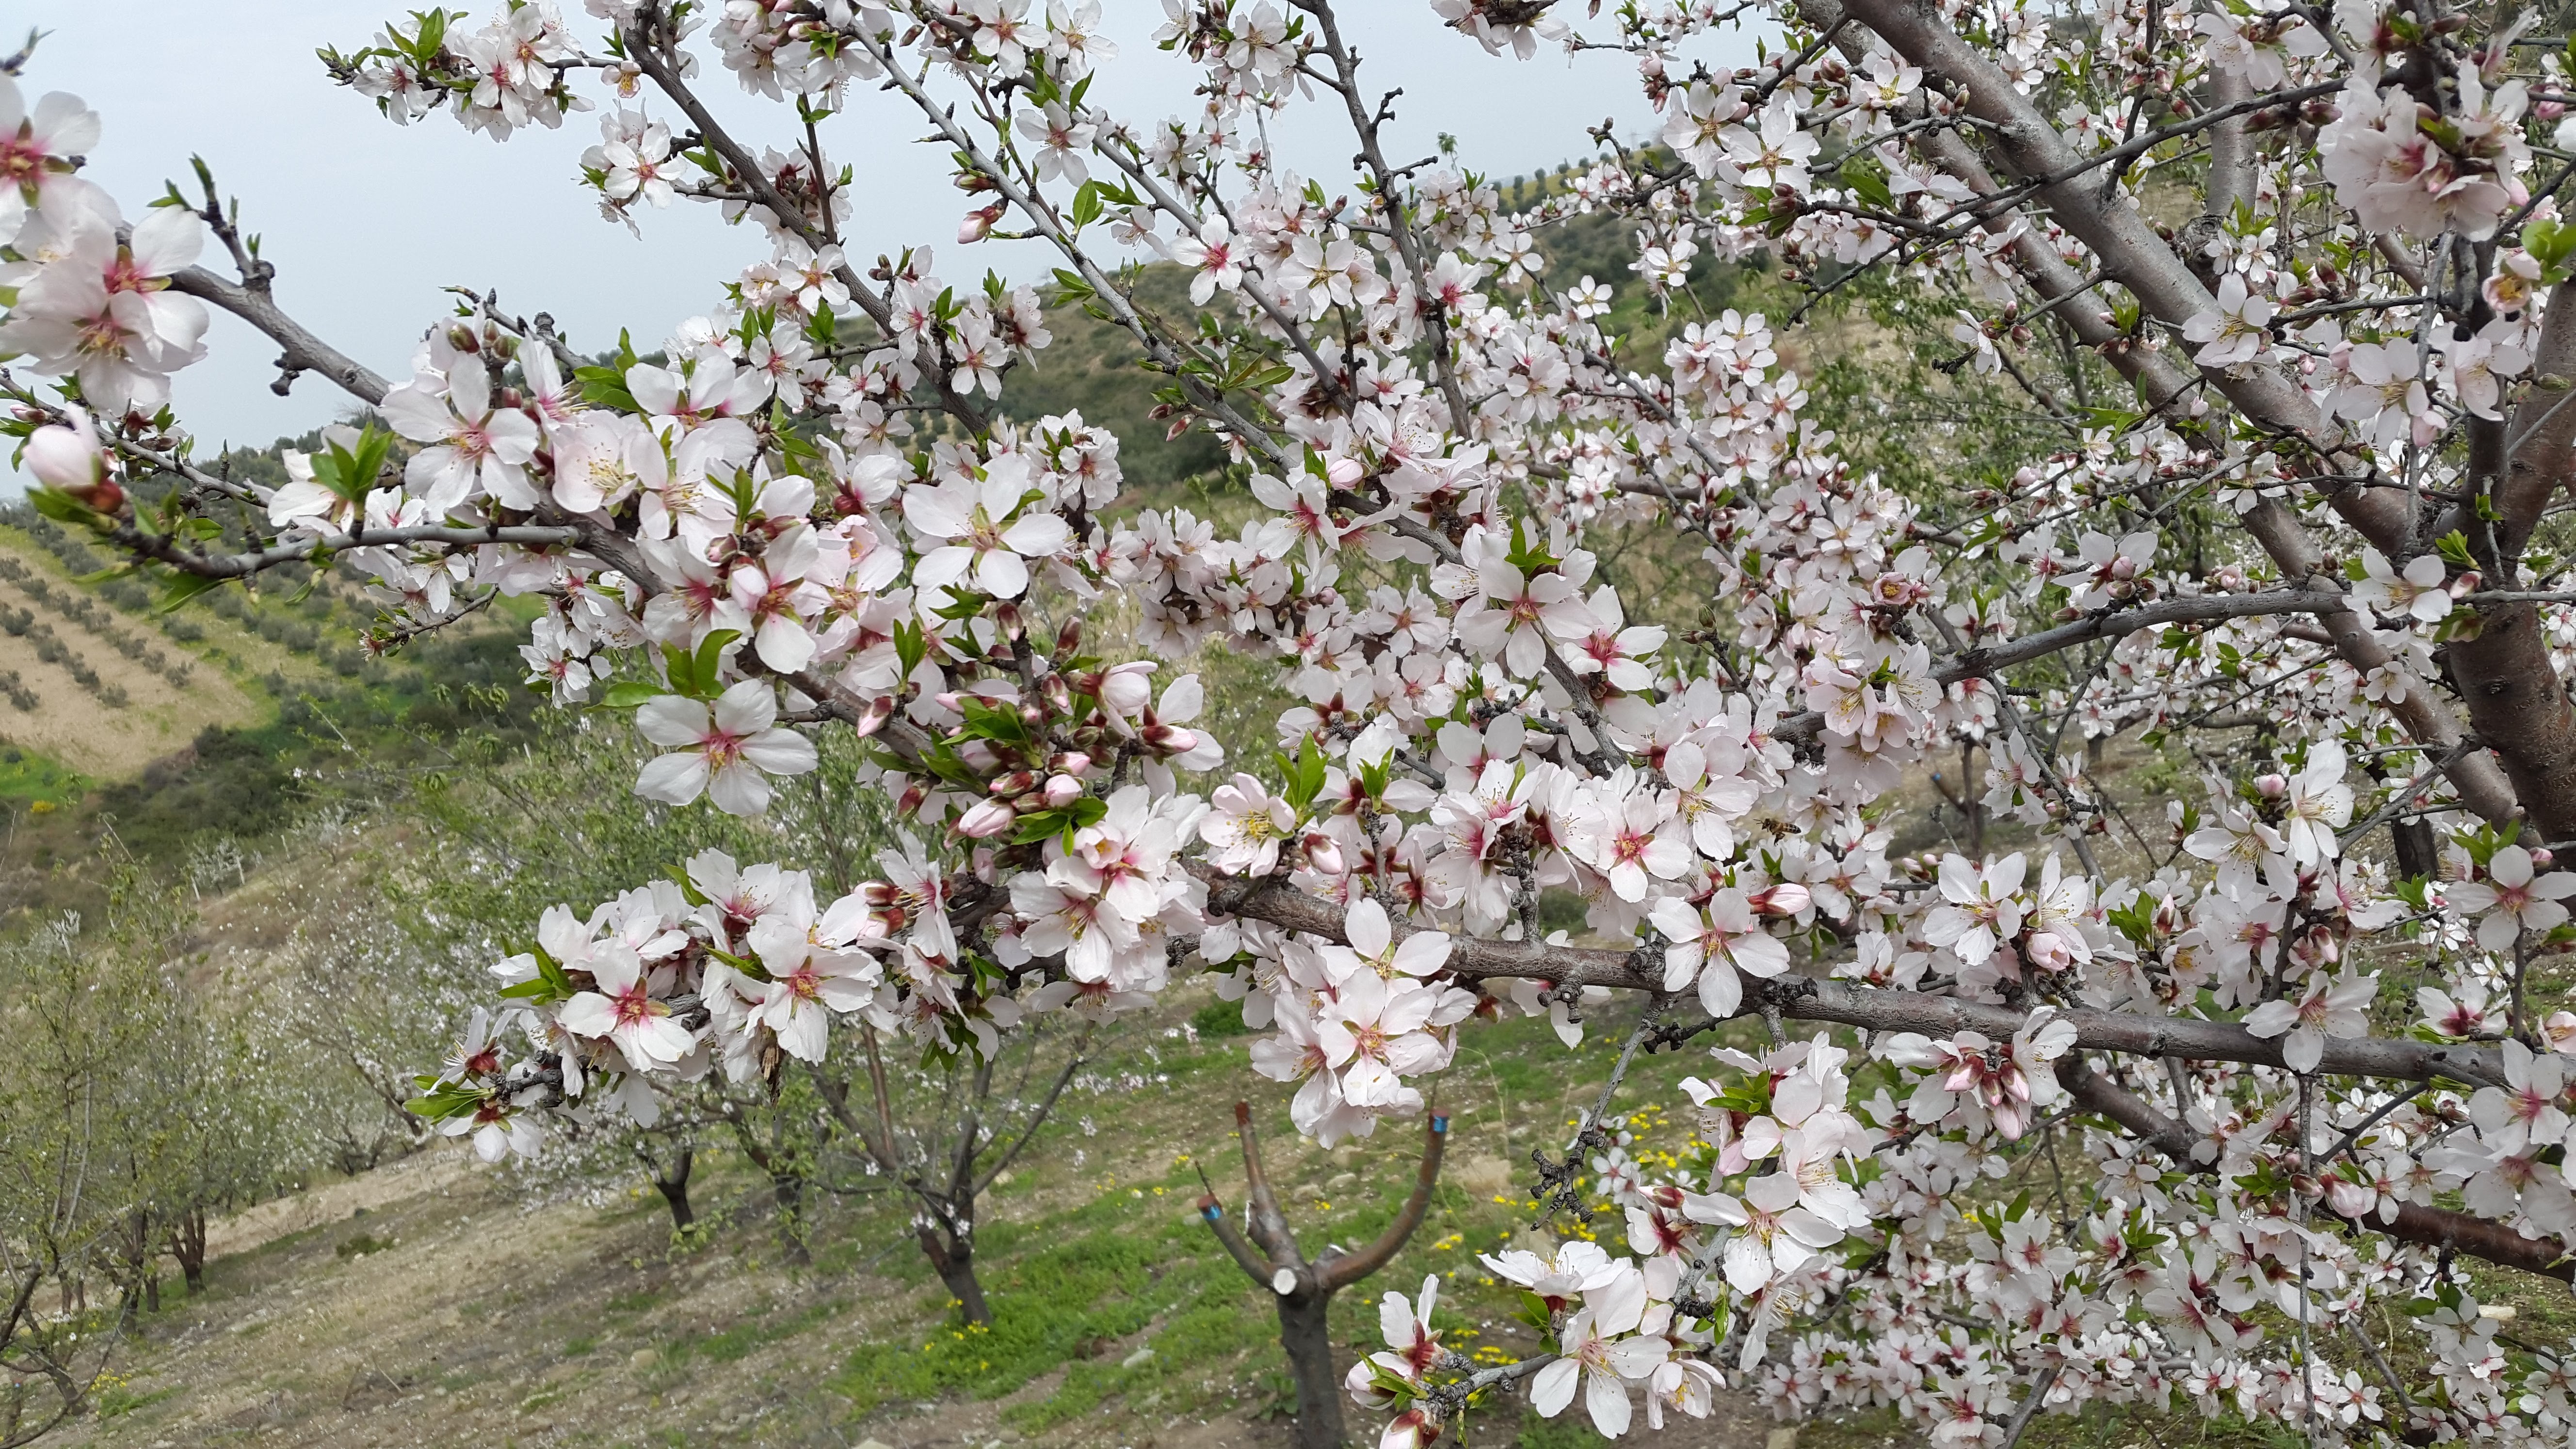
[366, 221]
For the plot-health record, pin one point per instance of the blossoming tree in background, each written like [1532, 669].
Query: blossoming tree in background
[2278, 282]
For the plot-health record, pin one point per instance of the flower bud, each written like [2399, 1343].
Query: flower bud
[1344, 472]
[979, 224]
[988, 818]
[2272, 786]
[1062, 790]
[2048, 951]
[1323, 853]
[1787, 898]
[1070, 762]
[1169, 739]
[1018, 782]
[72, 459]
[2542, 857]
[1068, 640]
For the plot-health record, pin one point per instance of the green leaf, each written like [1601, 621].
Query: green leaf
[1047, 824]
[1087, 205]
[1866, 180]
[183, 587]
[443, 1103]
[61, 507]
[1305, 775]
[628, 693]
[2454, 548]
[710, 666]
[605, 387]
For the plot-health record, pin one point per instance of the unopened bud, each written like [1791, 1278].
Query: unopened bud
[1787, 898]
[71, 460]
[988, 818]
[1168, 739]
[1070, 762]
[2272, 786]
[1323, 853]
[1068, 640]
[1062, 790]
[1018, 782]
[979, 224]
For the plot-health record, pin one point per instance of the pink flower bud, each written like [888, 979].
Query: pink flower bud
[1787, 898]
[1169, 739]
[73, 460]
[988, 818]
[979, 224]
[2048, 951]
[1062, 790]
[1344, 472]
[1070, 762]
[2542, 856]
[1323, 853]
[2272, 786]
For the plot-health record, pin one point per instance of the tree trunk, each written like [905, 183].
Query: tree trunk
[137, 1280]
[1307, 1336]
[787, 1191]
[673, 1184]
[2418, 853]
[188, 1245]
[954, 1262]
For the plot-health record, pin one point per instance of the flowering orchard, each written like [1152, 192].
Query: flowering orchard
[2279, 282]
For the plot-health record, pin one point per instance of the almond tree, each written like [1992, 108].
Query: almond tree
[1265, 1247]
[2271, 290]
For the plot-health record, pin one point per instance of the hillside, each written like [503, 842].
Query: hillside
[207, 729]
[427, 1303]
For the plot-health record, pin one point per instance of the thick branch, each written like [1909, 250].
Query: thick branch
[163, 548]
[1871, 1009]
[304, 351]
[1340, 1272]
[1269, 1225]
[2424, 1226]
[1254, 1266]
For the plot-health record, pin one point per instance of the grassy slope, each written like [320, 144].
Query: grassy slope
[448, 1314]
[445, 1312]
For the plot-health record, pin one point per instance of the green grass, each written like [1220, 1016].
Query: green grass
[734, 1344]
[1069, 1291]
[116, 1401]
[29, 779]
